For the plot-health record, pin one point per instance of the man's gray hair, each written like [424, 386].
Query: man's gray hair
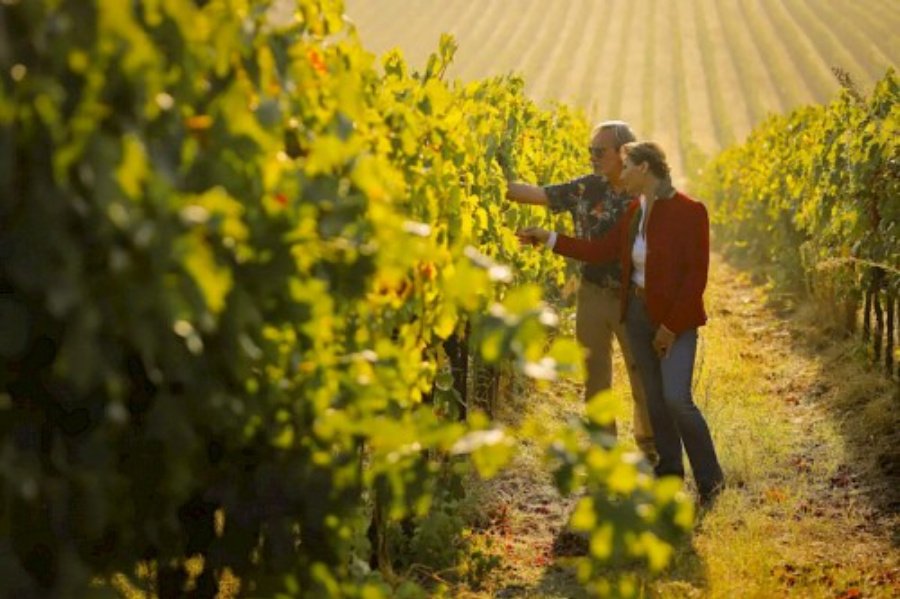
[621, 130]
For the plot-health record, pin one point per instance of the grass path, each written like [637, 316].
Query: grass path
[809, 444]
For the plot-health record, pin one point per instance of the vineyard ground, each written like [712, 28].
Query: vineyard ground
[809, 443]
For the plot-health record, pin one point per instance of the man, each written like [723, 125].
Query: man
[596, 202]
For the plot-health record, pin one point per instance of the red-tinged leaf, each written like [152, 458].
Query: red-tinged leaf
[317, 62]
[198, 122]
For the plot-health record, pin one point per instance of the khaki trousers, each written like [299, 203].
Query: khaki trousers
[597, 320]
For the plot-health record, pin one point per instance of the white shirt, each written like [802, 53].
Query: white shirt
[639, 249]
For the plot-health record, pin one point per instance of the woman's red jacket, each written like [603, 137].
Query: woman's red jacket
[677, 258]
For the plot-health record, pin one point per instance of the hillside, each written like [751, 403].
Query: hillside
[693, 74]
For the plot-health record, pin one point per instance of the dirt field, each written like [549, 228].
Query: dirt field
[688, 73]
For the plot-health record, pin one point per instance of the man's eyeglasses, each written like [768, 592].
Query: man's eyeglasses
[598, 151]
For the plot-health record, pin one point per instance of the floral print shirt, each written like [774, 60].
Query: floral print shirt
[595, 208]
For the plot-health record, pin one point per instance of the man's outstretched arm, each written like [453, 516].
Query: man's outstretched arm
[524, 193]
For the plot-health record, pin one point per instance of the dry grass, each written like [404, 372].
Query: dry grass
[801, 427]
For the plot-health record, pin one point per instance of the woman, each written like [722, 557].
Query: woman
[662, 241]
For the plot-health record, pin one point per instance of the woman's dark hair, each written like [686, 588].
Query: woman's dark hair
[639, 152]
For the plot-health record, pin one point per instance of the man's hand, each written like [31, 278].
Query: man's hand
[663, 341]
[533, 235]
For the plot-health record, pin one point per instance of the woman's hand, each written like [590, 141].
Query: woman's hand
[663, 341]
[533, 235]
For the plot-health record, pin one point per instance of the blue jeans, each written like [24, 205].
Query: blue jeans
[675, 417]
